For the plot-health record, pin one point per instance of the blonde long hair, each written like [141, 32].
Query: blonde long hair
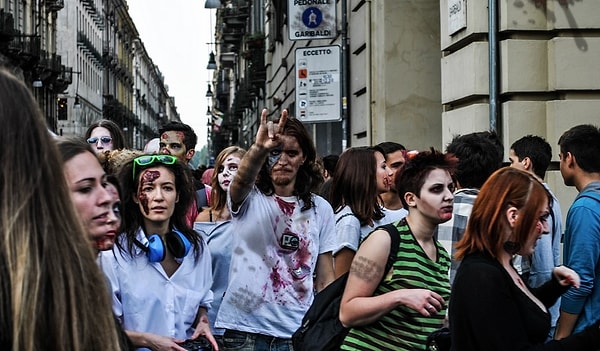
[218, 196]
[52, 290]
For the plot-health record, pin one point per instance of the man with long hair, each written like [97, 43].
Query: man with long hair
[284, 235]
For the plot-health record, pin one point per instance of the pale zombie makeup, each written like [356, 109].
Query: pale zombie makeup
[274, 156]
[284, 163]
[436, 196]
[227, 170]
[172, 143]
[157, 193]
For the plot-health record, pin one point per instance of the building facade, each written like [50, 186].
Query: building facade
[84, 60]
[419, 72]
[28, 49]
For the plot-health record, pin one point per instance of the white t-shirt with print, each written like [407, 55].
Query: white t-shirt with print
[275, 250]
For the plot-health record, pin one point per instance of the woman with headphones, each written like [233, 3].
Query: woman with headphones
[159, 269]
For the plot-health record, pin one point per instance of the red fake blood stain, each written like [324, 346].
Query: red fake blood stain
[276, 279]
[164, 136]
[181, 135]
[147, 177]
[286, 207]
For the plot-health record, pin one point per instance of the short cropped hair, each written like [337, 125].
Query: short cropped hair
[479, 155]
[537, 149]
[412, 175]
[190, 139]
[583, 142]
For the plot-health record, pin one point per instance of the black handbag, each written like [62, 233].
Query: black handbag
[439, 340]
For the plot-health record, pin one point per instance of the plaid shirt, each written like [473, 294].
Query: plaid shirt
[450, 232]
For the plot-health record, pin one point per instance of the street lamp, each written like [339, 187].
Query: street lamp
[212, 64]
[212, 4]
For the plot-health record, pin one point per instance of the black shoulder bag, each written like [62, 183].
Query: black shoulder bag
[321, 329]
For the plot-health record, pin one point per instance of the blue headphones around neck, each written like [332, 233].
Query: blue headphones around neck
[176, 243]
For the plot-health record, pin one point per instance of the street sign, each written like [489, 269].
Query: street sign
[312, 19]
[318, 84]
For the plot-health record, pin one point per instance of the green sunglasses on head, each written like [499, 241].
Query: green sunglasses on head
[147, 160]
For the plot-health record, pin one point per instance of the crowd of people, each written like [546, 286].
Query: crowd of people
[106, 247]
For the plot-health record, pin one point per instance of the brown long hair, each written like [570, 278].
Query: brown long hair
[487, 224]
[309, 176]
[354, 184]
[54, 296]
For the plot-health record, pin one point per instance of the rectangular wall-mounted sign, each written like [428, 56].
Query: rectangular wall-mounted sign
[312, 19]
[318, 84]
[457, 15]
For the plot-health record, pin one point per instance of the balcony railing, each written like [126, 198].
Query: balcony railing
[55, 5]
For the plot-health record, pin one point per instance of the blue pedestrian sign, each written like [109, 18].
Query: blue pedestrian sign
[312, 19]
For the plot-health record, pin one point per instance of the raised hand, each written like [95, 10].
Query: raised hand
[268, 133]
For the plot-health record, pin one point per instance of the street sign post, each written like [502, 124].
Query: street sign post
[312, 19]
[318, 84]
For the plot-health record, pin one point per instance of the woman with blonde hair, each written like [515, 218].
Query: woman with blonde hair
[50, 285]
[214, 225]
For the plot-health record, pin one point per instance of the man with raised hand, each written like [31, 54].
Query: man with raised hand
[284, 238]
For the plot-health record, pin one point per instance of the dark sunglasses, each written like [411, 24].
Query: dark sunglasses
[147, 160]
[104, 140]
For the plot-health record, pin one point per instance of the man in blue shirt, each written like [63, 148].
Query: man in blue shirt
[580, 167]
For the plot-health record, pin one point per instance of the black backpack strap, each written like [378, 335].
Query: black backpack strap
[394, 246]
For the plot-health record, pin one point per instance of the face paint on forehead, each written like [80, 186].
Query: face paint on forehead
[149, 176]
[274, 156]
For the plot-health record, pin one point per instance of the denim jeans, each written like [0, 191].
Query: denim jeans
[234, 340]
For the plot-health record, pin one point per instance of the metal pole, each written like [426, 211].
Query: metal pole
[344, 34]
[493, 62]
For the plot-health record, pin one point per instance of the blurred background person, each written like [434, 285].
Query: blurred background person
[395, 156]
[328, 162]
[105, 135]
[207, 176]
[50, 284]
[179, 140]
[152, 146]
[479, 155]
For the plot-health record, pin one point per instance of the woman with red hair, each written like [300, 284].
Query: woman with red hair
[492, 308]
